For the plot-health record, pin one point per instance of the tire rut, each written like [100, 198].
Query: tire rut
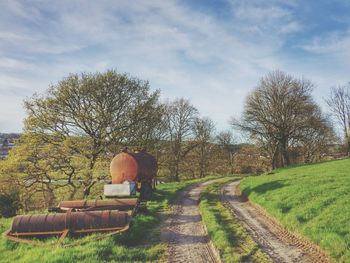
[184, 232]
[281, 245]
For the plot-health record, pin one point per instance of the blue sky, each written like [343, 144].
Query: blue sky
[212, 52]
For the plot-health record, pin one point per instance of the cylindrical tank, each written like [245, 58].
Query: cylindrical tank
[147, 165]
[77, 222]
[137, 166]
[123, 167]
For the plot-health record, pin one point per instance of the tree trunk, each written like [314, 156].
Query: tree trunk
[231, 163]
[73, 192]
[201, 163]
[348, 145]
[201, 170]
[284, 153]
[175, 163]
[174, 170]
[49, 197]
[285, 156]
[87, 189]
[86, 192]
[176, 174]
[274, 160]
[90, 183]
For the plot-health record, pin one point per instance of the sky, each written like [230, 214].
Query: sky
[213, 52]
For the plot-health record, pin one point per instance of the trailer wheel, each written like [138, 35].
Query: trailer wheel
[146, 191]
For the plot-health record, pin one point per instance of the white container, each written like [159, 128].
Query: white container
[124, 189]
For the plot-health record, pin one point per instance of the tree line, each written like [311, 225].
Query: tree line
[74, 129]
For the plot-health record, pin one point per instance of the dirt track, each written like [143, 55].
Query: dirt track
[277, 242]
[184, 231]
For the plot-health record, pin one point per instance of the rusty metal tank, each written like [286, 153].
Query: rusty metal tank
[76, 222]
[137, 166]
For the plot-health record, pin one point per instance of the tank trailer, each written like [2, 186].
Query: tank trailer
[131, 172]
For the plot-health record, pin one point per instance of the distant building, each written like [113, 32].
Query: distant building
[7, 142]
[3, 153]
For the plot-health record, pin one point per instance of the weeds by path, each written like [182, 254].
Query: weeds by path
[228, 235]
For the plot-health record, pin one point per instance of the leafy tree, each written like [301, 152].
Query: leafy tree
[93, 115]
[10, 200]
[39, 170]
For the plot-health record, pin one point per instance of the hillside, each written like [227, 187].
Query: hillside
[310, 199]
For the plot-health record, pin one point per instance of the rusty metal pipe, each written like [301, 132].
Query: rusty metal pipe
[116, 204]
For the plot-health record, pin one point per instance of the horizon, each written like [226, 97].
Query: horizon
[212, 54]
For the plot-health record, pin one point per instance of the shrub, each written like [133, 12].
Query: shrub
[9, 204]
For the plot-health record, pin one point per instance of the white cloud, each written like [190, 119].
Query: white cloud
[7, 63]
[267, 19]
[334, 44]
[181, 50]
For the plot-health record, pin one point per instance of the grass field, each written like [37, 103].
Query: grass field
[141, 243]
[228, 235]
[313, 200]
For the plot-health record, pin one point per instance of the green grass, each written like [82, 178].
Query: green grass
[313, 200]
[140, 244]
[228, 235]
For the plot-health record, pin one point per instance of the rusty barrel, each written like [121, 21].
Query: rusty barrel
[123, 167]
[116, 204]
[77, 222]
[138, 166]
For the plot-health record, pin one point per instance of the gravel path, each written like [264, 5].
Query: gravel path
[184, 231]
[281, 245]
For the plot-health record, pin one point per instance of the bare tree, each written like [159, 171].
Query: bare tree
[310, 143]
[226, 143]
[203, 131]
[339, 104]
[278, 112]
[179, 120]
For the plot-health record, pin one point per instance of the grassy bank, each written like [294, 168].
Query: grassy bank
[141, 243]
[228, 235]
[310, 199]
